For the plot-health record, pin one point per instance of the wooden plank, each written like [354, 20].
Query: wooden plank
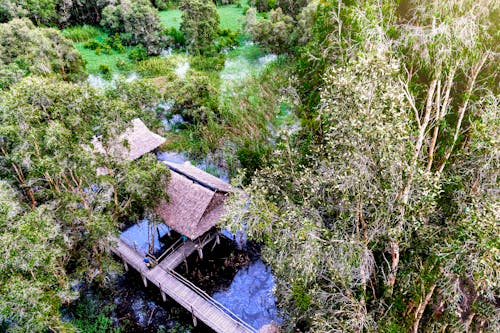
[203, 309]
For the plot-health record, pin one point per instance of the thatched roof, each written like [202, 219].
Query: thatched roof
[196, 204]
[200, 176]
[136, 141]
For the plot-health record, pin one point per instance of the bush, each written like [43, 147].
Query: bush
[37, 51]
[139, 53]
[175, 38]
[200, 24]
[251, 158]
[226, 38]
[92, 44]
[123, 65]
[154, 67]
[115, 42]
[81, 33]
[104, 69]
[138, 23]
[208, 64]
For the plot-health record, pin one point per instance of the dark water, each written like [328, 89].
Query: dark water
[250, 295]
[232, 272]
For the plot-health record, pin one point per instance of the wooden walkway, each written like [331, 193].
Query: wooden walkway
[195, 300]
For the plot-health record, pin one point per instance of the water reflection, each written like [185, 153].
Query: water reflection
[250, 295]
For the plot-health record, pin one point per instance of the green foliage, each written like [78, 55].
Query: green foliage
[175, 38]
[291, 7]
[382, 207]
[81, 33]
[42, 12]
[251, 158]
[273, 33]
[138, 53]
[263, 5]
[226, 39]
[157, 66]
[94, 58]
[207, 64]
[104, 69]
[92, 45]
[200, 24]
[90, 317]
[25, 50]
[56, 223]
[137, 22]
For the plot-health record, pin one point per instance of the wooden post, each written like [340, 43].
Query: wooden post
[163, 295]
[217, 239]
[145, 280]
[200, 251]
[185, 262]
[125, 265]
[195, 320]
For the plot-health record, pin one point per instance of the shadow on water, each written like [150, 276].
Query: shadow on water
[237, 278]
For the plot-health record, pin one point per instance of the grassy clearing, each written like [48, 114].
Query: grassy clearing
[94, 61]
[171, 18]
[231, 17]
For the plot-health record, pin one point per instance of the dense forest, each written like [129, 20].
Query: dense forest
[367, 151]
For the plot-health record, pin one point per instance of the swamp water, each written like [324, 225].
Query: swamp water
[232, 272]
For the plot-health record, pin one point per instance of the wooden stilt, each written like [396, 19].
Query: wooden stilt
[217, 239]
[195, 320]
[125, 265]
[145, 280]
[200, 252]
[163, 296]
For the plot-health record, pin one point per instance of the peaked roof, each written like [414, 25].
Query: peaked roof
[134, 142]
[200, 176]
[196, 200]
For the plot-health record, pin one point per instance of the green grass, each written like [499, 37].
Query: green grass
[231, 17]
[171, 18]
[81, 33]
[94, 60]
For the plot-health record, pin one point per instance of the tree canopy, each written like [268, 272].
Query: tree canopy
[28, 50]
[380, 214]
[58, 212]
[200, 24]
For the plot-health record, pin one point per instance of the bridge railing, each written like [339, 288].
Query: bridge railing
[212, 301]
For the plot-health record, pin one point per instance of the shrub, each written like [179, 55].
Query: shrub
[123, 65]
[81, 33]
[138, 23]
[38, 51]
[175, 38]
[139, 53]
[208, 64]
[226, 38]
[115, 42]
[200, 24]
[92, 44]
[154, 67]
[104, 69]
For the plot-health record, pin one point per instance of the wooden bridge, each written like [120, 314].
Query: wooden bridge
[170, 283]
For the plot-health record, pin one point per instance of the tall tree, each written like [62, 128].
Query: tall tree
[61, 205]
[28, 50]
[200, 24]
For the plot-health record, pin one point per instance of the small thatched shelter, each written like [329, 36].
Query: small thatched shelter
[134, 142]
[196, 200]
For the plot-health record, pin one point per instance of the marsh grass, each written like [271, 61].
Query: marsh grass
[81, 33]
[245, 120]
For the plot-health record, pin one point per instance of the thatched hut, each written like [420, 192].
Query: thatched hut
[134, 142]
[196, 200]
